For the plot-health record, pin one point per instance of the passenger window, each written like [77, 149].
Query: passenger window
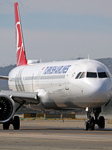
[91, 75]
[102, 75]
[78, 75]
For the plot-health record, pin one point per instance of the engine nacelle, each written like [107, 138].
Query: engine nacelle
[7, 108]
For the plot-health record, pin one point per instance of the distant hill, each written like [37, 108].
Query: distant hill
[107, 62]
[5, 71]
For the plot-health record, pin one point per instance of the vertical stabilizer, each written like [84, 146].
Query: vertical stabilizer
[21, 56]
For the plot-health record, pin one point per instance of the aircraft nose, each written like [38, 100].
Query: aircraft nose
[99, 90]
[101, 86]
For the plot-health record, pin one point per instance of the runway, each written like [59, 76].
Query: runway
[55, 135]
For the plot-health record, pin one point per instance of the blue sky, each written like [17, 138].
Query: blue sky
[57, 29]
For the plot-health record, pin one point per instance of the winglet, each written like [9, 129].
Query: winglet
[21, 56]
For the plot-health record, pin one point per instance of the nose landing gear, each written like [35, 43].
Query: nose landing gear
[90, 124]
[99, 120]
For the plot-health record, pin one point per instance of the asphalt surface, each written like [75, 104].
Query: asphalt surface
[56, 135]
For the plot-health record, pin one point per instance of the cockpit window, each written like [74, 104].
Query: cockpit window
[78, 75]
[102, 75]
[82, 75]
[91, 75]
[108, 75]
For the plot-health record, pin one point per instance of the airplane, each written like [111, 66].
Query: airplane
[59, 85]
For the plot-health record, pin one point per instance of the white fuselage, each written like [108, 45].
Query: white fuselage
[65, 84]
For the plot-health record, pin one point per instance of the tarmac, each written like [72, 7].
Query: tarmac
[43, 134]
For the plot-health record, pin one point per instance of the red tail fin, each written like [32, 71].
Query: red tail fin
[21, 56]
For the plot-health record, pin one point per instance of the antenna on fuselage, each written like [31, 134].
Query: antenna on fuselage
[88, 56]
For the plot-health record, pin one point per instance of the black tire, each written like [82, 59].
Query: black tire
[101, 122]
[87, 126]
[6, 126]
[92, 124]
[16, 123]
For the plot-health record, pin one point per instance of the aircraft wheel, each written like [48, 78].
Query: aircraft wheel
[87, 126]
[6, 126]
[92, 124]
[101, 123]
[16, 123]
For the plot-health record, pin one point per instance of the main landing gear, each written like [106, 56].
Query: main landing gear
[14, 121]
[99, 120]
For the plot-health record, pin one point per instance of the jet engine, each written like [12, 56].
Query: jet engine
[7, 108]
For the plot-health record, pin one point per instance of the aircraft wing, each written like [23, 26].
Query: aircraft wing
[19, 97]
[4, 77]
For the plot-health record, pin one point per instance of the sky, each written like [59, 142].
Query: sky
[57, 29]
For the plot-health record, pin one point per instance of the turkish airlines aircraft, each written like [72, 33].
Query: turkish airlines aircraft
[58, 85]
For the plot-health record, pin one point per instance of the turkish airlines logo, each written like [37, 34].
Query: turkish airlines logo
[17, 34]
[19, 42]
